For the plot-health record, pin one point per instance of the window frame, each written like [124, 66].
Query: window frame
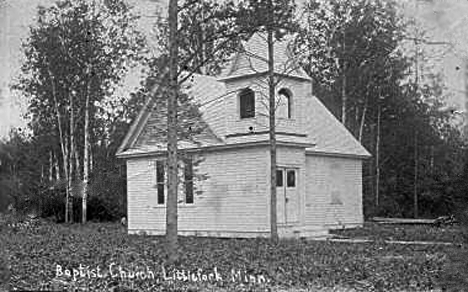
[294, 178]
[188, 183]
[244, 103]
[288, 95]
[184, 186]
[160, 182]
[279, 172]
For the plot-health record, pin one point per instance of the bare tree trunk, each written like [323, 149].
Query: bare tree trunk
[371, 163]
[85, 162]
[272, 132]
[62, 144]
[91, 159]
[57, 168]
[311, 47]
[363, 121]
[71, 152]
[377, 158]
[172, 178]
[77, 162]
[416, 80]
[86, 153]
[72, 138]
[51, 167]
[68, 180]
[415, 191]
[344, 98]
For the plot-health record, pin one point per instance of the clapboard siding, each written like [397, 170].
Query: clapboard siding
[334, 191]
[234, 124]
[233, 198]
[289, 156]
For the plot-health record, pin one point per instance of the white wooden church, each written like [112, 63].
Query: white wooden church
[319, 163]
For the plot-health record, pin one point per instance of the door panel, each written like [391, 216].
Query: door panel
[291, 196]
[280, 197]
[287, 203]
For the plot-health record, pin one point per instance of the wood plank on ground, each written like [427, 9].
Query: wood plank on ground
[363, 240]
[402, 220]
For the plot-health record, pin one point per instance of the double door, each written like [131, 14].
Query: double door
[287, 200]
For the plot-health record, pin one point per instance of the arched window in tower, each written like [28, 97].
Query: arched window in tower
[286, 101]
[247, 103]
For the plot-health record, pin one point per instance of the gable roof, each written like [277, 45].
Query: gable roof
[330, 136]
[140, 137]
[323, 130]
[253, 59]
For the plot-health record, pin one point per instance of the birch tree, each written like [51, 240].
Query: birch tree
[76, 53]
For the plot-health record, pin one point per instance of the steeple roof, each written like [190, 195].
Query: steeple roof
[253, 59]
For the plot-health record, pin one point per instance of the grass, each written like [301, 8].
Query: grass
[292, 265]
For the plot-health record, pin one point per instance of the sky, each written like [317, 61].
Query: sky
[15, 18]
[444, 21]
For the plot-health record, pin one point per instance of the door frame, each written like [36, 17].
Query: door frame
[298, 191]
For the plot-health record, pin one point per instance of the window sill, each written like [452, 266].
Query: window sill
[187, 206]
[286, 119]
[292, 120]
[179, 206]
[246, 119]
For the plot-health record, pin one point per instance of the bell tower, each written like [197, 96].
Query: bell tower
[247, 104]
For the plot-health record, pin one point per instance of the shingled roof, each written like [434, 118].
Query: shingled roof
[323, 130]
[253, 59]
[142, 136]
[330, 136]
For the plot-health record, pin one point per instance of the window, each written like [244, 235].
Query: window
[291, 178]
[160, 181]
[279, 178]
[188, 180]
[247, 103]
[285, 96]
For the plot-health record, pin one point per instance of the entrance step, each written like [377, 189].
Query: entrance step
[306, 232]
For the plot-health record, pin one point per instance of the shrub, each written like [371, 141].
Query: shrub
[107, 197]
[53, 204]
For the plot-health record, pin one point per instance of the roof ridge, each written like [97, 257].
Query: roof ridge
[255, 53]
